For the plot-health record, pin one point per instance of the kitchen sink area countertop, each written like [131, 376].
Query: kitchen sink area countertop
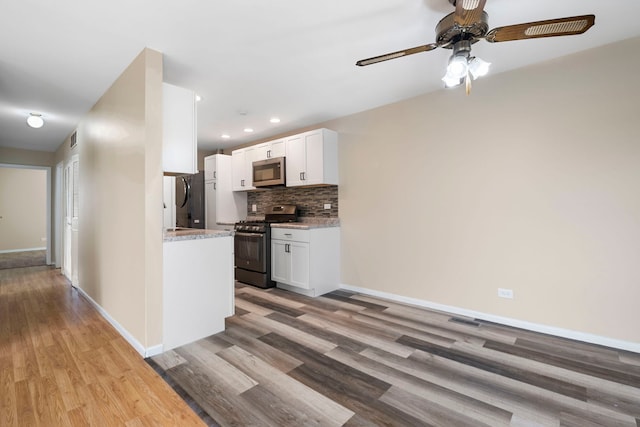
[305, 223]
[176, 234]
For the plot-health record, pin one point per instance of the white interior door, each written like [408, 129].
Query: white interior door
[59, 212]
[71, 218]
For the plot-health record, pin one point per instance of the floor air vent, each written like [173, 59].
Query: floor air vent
[464, 321]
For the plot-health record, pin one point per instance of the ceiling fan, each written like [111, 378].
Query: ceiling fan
[468, 25]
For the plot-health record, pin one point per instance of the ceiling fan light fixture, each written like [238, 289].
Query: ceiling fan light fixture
[457, 67]
[450, 81]
[478, 67]
[35, 120]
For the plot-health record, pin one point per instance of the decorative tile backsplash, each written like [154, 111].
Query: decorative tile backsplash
[310, 200]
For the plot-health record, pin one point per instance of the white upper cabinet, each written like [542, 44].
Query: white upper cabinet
[210, 167]
[222, 205]
[179, 142]
[269, 150]
[242, 169]
[312, 158]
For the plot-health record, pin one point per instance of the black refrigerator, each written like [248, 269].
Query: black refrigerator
[190, 200]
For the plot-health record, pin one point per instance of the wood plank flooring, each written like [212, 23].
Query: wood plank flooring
[351, 360]
[62, 364]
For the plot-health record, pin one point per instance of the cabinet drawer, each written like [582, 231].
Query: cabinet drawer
[290, 234]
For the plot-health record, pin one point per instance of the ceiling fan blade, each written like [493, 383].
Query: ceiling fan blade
[397, 54]
[468, 12]
[549, 28]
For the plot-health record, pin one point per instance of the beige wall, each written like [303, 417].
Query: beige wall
[23, 208]
[120, 231]
[531, 184]
[16, 156]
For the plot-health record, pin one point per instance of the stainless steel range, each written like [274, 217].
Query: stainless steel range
[252, 246]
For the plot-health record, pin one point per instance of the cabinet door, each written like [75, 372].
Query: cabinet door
[280, 261]
[249, 158]
[276, 149]
[314, 153]
[238, 170]
[269, 150]
[299, 253]
[179, 141]
[210, 168]
[210, 205]
[296, 160]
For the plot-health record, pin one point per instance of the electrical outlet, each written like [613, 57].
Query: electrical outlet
[505, 293]
[254, 208]
[327, 205]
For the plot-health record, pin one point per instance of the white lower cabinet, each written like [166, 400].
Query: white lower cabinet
[291, 265]
[306, 261]
[197, 290]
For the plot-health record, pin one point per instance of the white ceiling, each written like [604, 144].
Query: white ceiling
[294, 59]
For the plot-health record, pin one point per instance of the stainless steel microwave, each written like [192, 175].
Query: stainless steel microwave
[269, 173]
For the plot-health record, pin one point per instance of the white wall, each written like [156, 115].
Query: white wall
[531, 183]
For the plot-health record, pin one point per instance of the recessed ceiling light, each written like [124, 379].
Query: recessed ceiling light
[248, 130]
[198, 98]
[35, 120]
[274, 120]
[225, 136]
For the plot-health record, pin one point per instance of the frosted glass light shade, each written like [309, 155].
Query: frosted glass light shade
[35, 121]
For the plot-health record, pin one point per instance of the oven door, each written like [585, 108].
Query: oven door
[250, 251]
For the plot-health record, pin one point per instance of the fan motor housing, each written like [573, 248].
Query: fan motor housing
[448, 32]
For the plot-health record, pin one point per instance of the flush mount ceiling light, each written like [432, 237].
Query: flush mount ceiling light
[274, 120]
[35, 120]
[470, 24]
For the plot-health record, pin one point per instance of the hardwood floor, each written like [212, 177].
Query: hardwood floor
[287, 360]
[352, 360]
[23, 259]
[62, 364]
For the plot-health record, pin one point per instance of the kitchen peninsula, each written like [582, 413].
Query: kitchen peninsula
[198, 284]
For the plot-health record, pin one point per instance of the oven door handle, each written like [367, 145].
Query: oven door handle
[243, 234]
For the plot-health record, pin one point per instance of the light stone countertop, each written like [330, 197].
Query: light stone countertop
[305, 223]
[194, 233]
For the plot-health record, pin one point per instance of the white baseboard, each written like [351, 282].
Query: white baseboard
[144, 352]
[535, 327]
[154, 351]
[8, 251]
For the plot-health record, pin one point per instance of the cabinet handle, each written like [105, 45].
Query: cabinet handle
[287, 248]
[301, 176]
[242, 183]
[288, 234]
[214, 174]
[214, 185]
[268, 154]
